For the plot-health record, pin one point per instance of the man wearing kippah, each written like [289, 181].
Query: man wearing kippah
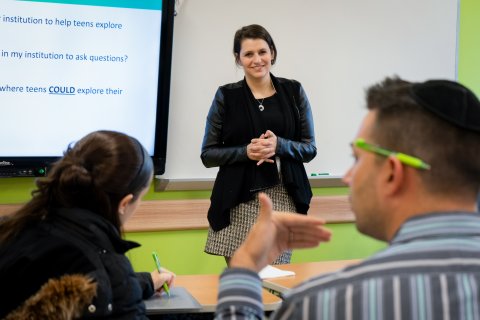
[414, 184]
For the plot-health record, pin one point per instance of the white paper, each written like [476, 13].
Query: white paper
[272, 272]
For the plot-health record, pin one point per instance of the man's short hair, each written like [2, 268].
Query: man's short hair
[404, 125]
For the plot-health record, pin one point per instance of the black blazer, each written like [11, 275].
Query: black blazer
[233, 120]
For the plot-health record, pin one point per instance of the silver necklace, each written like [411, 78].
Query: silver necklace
[260, 104]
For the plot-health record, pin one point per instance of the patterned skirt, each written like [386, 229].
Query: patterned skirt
[242, 218]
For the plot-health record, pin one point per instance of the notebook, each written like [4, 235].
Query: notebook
[180, 301]
[271, 272]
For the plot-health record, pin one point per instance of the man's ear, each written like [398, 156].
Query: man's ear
[122, 206]
[395, 175]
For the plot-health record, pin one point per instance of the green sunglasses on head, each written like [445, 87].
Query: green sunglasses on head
[404, 158]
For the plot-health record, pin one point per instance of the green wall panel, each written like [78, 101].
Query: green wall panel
[182, 251]
[16, 190]
[469, 45]
[346, 243]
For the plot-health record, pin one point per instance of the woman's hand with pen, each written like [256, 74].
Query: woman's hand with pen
[159, 278]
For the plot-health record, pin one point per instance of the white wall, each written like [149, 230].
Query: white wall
[335, 48]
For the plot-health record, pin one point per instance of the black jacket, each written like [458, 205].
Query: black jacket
[74, 241]
[233, 120]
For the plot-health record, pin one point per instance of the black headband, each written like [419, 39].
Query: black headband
[144, 171]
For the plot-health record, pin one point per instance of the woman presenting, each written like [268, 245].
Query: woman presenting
[259, 131]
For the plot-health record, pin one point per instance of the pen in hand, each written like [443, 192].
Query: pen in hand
[157, 263]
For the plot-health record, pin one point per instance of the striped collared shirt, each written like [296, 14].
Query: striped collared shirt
[430, 270]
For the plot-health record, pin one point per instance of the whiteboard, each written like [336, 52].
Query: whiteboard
[335, 48]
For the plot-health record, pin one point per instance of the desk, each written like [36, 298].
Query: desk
[204, 288]
[303, 271]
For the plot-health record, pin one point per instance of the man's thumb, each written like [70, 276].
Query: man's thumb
[266, 206]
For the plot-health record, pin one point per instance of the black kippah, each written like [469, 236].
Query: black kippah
[450, 101]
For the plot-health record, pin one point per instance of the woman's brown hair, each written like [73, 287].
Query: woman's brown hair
[94, 174]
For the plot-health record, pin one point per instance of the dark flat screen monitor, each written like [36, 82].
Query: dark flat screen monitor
[68, 68]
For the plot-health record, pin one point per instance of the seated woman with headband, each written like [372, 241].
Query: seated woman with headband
[73, 225]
